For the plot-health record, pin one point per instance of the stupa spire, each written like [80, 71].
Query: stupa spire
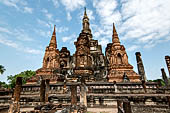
[115, 38]
[86, 24]
[53, 42]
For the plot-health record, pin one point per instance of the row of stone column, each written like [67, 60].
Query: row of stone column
[141, 70]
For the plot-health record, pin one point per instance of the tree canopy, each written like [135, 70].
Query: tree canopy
[25, 76]
[2, 69]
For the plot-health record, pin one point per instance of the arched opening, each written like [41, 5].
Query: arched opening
[119, 58]
[48, 62]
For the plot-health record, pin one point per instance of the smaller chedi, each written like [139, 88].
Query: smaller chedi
[119, 68]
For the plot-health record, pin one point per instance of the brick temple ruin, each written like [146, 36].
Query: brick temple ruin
[88, 81]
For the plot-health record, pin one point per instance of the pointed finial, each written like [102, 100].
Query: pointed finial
[114, 29]
[53, 42]
[115, 38]
[84, 10]
[54, 30]
[85, 14]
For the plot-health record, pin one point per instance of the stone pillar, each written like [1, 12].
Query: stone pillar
[144, 86]
[47, 90]
[115, 86]
[18, 87]
[164, 76]
[140, 66]
[83, 94]
[73, 95]
[168, 98]
[42, 91]
[127, 107]
[119, 106]
[167, 59]
[64, 87]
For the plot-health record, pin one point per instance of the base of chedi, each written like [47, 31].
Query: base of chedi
[118, 75]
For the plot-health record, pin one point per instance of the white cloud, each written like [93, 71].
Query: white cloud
[19, 34]
[89, 14]
[43, 33]
[61, 29]
[44, 23]
[8, 42]
[47, 14]
[28, 10]
[103, 42]
[20, 5]
[69, 16]
[67, 38]
[106, 10]
[5, 30]
[10, 3]
[71, 5]
[138, 21]
[55, 2]
[18, 47]
[133, 47]
[32, 51]
[146, 21]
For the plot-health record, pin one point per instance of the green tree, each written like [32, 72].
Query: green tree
[2, 69]
[3, 84]
[25, 76]
[157, 80]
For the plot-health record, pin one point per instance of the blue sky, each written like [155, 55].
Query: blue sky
[26, 28]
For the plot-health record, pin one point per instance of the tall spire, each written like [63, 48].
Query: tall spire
[86, 25]
[85, 14]
[115, 38]
[53, 42]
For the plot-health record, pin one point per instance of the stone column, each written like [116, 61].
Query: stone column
[168, 98]
[64, 87]
[119, 106]
[127, 107]
[164, 76]
[167, 59]
[18, 87]
[42, 91]
[47, 90]
[144, 86]
[115, 86]
[140, 66]
[83, 95]
[73, 95]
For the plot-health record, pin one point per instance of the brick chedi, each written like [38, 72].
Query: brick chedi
[119, 67]
[51, 62]
[83, 60]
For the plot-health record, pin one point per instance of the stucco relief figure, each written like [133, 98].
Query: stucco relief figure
[85, 60]
[125, 59]
[82, 61]
[89, 60]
